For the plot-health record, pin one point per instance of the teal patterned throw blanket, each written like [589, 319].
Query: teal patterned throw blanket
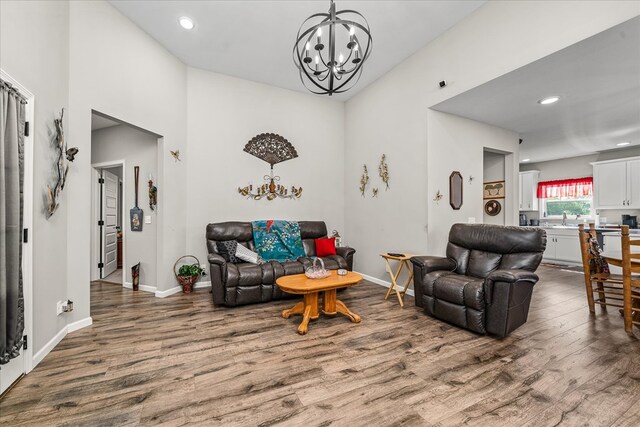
[277, 240]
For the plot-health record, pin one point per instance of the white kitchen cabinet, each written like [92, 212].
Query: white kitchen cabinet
[529, 190]
[563, 246]
[616, 184]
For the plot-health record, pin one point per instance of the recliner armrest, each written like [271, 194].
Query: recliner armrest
[506, 276]
[217, 259]
[511, 276]
[433, 263]
[346, 253]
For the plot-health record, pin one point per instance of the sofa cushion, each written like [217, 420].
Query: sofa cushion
[482, 263]
[429, 280]
[461, 290]
[251, 274]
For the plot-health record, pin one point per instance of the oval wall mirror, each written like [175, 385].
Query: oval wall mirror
[455, 190]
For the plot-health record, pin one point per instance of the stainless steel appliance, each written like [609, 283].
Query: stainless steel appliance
[630, 220]
[523, 219]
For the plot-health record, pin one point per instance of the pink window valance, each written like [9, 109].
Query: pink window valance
[578, 187]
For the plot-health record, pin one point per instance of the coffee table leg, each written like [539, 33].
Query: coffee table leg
[304, 326]
[342, 309]
[296, 309]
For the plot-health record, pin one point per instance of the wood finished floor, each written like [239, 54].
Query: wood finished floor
[180, 360]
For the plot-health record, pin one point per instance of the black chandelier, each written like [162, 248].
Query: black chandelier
[325, 70]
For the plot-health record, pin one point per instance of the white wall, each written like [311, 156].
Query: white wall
[493, 164]
[137, 148]
[224, 113]
[117, 69]
[456, 143]
[392, 115]
[25, 27]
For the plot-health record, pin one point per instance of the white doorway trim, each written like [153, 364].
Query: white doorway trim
[27, 220]
[95, 209]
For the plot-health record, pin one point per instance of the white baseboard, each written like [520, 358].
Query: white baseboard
[384, 283]
[49, 346]
[168, 292]
[177, 289]
[82, 323]
[53, 342]
[141, 287]
[201, 285]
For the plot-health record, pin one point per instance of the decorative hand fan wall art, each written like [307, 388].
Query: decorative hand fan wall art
[273, 149]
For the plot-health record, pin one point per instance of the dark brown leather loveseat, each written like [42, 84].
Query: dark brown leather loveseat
[486, 281]
[245, 283]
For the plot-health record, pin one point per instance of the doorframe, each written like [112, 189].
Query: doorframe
[27, 218]
[95, 209]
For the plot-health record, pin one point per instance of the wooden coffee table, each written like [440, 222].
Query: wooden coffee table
[310, 289]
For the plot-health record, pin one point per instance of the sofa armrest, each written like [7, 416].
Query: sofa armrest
[218, 273]
[217, 259]
[507, 296]
[422, 265]
[512, 276]
[346, 253]
[433, 263]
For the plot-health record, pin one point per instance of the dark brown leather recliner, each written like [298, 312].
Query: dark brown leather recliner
[486, 281]
[246, 283]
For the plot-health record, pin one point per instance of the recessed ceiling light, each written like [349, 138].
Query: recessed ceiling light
[186, 23]
[526, 160]
[622, 144]
[549, 100]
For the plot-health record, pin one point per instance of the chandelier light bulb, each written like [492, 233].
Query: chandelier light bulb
[340, 59]
[352, 31]
[317, 59]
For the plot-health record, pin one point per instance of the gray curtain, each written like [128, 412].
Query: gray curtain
[12, 110]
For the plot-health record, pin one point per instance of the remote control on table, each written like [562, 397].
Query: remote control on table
[395, 254]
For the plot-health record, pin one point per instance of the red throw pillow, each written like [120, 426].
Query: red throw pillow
[326, 247]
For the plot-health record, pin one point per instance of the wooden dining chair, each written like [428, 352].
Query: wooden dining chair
[608, 289]
[631, 280]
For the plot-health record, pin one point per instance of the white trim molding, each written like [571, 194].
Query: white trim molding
[384, 283]
[42, 353]
[141, 287]
[53, 342]
[79, 324]
[177, 289]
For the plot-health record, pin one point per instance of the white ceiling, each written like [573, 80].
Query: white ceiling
[99, 122]
[253, 40]
[598, 80]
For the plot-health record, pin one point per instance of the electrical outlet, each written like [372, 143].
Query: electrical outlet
[60, 307]
[204, 269]
[472, 220]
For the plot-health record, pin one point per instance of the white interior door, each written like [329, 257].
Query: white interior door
[110, 223]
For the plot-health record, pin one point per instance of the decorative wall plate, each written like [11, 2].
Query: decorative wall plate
[492, 207]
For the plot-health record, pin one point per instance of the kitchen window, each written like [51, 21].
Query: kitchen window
[574, 197]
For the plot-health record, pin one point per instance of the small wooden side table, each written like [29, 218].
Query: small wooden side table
[403, 261]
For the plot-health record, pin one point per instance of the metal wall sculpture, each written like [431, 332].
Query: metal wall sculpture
[61, 166]
[273, 149]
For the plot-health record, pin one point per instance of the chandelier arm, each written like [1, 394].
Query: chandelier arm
[356, 74]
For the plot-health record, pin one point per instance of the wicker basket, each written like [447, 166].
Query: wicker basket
[186, 282]
[317, 271]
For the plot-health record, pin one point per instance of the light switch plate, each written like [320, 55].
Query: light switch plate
[147, 219]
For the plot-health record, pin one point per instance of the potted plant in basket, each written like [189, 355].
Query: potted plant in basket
[188, 275]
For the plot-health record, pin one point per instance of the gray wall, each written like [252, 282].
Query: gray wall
[137, 148]
[25, 29]
[493, 171]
